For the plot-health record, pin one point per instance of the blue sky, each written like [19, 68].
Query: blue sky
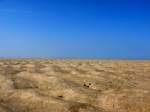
[75, 28]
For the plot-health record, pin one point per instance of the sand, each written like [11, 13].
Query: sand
[74, 85]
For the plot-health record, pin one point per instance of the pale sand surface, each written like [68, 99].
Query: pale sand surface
[73, 85]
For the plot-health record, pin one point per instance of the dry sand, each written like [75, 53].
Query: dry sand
[59, 85]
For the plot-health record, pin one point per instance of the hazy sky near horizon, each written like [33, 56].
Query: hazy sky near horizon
[75, 28]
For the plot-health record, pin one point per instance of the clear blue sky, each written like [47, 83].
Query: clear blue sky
[75, 28]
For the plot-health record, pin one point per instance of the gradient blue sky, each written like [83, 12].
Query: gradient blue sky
[75, 28]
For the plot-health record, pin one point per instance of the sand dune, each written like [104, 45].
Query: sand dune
[59, 85]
